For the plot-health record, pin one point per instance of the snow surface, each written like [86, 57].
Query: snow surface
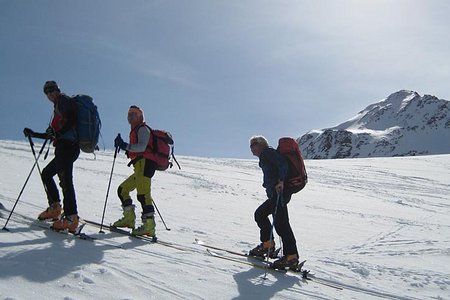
[379, 226]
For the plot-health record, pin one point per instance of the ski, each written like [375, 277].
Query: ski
[46, 225]
[257, 258]
[153, 240]
[84, 236]
[77, 234]
[150, 239]
[262, 263]
[250, 262]
[203, 244]
[305, 275]
[255, 261]
[259, 265]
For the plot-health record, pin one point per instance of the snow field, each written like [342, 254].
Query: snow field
[379, 226]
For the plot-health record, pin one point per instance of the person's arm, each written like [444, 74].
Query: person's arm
[30, 133]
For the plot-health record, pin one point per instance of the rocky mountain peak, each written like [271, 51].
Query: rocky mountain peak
[404, 123]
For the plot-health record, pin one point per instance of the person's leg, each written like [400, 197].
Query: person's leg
[284, 230]
[262, 219]
[129, 217]
[267, 246]
[144, 170]
[54, 203]
[66, 154]
[50, 186]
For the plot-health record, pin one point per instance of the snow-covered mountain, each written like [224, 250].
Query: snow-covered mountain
[403, 124]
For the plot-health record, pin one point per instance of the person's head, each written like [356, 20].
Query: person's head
[135, 115]
[258, 144]
[51, 89]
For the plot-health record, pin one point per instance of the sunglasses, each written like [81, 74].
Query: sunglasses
[253, 145]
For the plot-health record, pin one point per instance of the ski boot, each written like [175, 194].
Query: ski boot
[264, 249]
[286, 262]
[128, 219]
[66, 222]
[53, 212]
[147, 227]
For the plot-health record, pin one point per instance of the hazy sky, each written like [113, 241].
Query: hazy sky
[216, 72]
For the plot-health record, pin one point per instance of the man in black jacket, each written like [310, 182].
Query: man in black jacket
[62, 131]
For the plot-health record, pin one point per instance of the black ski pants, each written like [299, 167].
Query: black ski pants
[66, 153]
[281, 222]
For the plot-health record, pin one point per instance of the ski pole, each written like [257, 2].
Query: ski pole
[154, 204]
[37, 164]
[35, 157]
[109, 185]
[271, 230]
[26, 181]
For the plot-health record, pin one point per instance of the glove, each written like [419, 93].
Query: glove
[50, 132]
[279, 187]
[118, 142]
[28, 132]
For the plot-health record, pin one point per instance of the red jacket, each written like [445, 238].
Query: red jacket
[148, 152]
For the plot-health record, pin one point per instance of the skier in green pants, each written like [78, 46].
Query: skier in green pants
[139, 151]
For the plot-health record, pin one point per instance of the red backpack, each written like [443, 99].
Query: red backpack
[297, 177]
[162, 148]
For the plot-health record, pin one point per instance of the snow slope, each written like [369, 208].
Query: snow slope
[379, 226]
[403, 124]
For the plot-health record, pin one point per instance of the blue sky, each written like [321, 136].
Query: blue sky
[216, 72]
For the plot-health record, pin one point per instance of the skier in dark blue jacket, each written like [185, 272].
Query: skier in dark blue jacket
[275, 169]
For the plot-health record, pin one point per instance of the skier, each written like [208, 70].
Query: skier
[275, 168]
[140, 153]
[63, 133]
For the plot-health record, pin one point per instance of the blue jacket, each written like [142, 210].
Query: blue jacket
[275, 168]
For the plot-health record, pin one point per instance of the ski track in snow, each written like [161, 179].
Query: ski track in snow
[380, 226]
